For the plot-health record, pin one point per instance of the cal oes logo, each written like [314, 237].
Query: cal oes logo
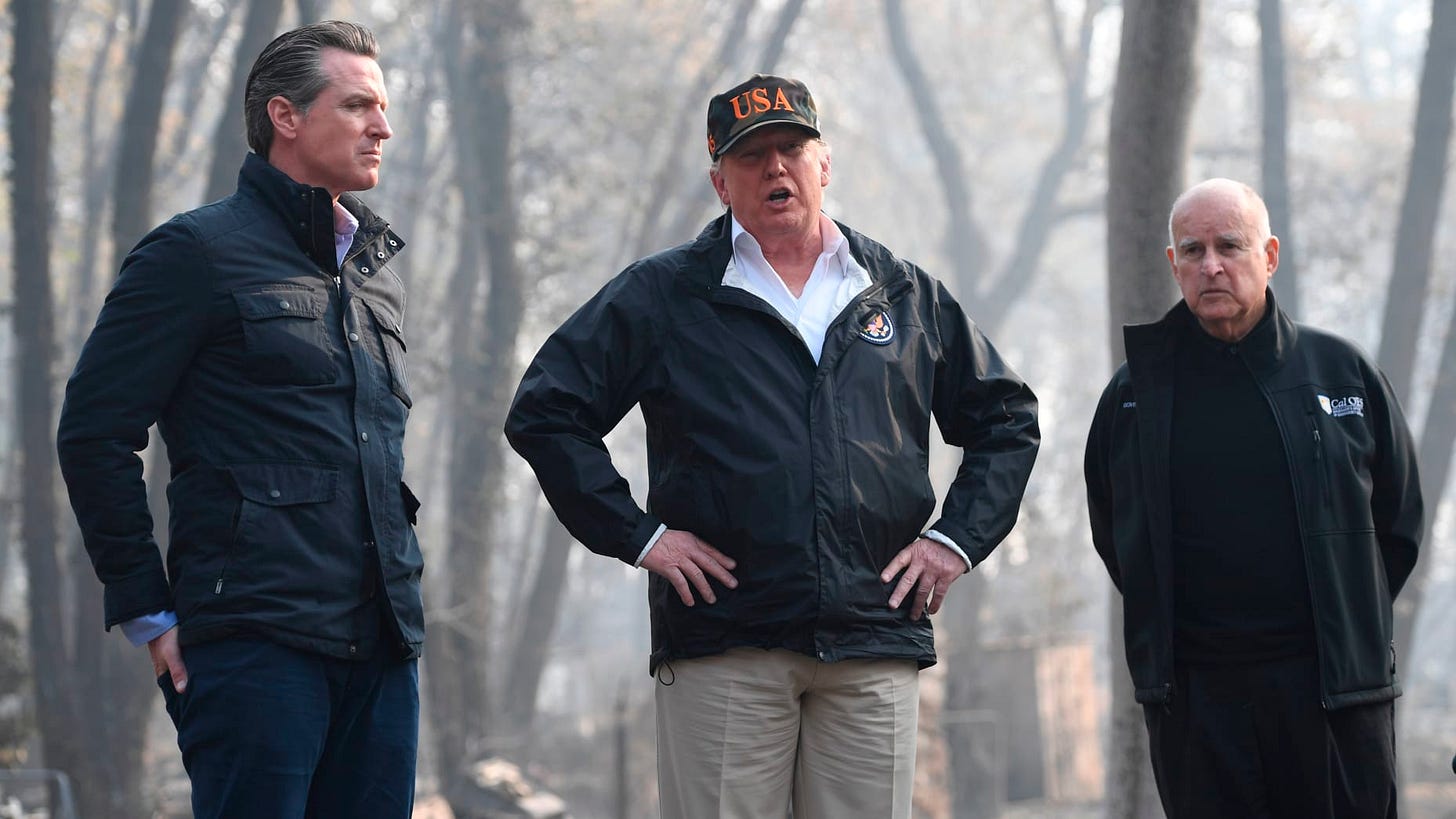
[878, 329]
[1340, 407]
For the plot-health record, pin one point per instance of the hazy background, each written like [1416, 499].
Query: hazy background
[541, 146]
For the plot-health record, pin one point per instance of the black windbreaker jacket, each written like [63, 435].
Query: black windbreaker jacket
[1357, 496]
[282, 399]
[810, 477]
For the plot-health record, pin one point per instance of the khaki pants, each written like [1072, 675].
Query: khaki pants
[741, 734]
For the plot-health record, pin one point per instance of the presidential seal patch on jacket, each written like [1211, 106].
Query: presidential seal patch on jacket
[878, 329]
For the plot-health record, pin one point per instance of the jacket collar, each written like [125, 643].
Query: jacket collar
[308, 211]
[1264, 348]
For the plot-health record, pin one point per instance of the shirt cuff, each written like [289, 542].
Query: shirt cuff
[142, 630]
[931, 534]
[652, 541]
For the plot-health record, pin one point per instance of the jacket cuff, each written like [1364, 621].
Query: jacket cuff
[960, 537]
[931, 534]
[644, 536]
[652, 541]
[136, 595]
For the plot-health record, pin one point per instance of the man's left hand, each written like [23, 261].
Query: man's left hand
[930, 568]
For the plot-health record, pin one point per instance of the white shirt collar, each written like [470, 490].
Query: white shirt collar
[835, 281]
[751, 251]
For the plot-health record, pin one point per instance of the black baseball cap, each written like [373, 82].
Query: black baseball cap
[762, 100]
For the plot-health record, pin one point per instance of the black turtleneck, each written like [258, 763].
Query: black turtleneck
[1240, 588]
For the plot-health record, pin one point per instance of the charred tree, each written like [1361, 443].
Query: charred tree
[30, 124]
[311, 11]
[141, 124]
[1409, 283]
[229, 142]
[540, 613]
[479, 85]
[97, 176]
[1147, 163]
[1275, 149]
[1415, 235]
[1410, 276]
[773, 49]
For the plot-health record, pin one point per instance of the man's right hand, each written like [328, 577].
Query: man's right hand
[686, 561]
[167, 656]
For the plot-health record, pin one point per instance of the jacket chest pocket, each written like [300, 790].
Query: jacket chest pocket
[391, 339]
[284, 338]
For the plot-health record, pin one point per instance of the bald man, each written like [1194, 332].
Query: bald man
[1252, 489]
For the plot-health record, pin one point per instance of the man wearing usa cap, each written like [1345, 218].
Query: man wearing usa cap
[788, 370]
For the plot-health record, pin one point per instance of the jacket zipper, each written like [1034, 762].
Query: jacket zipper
[1319, 462]
[1314, 606]
[227, 556]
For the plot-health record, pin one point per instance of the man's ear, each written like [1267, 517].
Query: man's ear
[1271, 250]
[285, 117]
[720, 187]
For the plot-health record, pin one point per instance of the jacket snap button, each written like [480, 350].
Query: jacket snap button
[380, 254]
[353, 649]
[363, 270]
[283, 304]
[364, 436]
[274, 493]
[353, 336]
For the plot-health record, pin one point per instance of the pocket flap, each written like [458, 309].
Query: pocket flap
[387, 321]
[275, 484]
[277, 303]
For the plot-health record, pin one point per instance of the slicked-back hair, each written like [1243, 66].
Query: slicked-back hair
[291, 67]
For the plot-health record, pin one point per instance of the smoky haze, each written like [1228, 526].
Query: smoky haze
[540, 147]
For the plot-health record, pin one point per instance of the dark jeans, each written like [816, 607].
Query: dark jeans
[1253, 741]
[276, 733]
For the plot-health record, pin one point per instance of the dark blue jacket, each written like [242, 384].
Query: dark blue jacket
[1356, 491]
[277, 381]
[810, 476]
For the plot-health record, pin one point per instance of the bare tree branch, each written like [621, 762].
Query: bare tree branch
[669, 176]
[773, 50]
[965, 242]
[1019, 272]
[1059, 43]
